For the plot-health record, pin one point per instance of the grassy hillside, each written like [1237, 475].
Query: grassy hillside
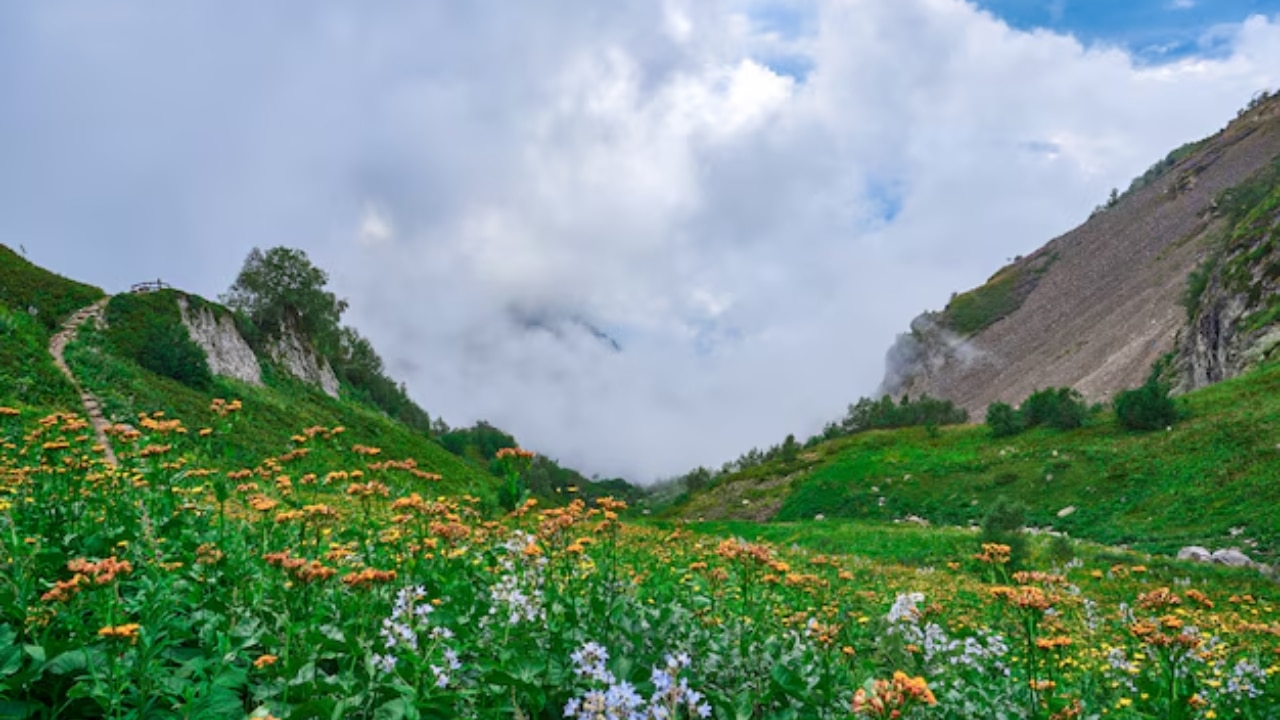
[27, 373]
[1213, 471]
[47, 296]
[271, 417]
[33, 302]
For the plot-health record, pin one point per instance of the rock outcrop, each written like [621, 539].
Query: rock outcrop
[1235, 324]
[295, 353]
[226, 350]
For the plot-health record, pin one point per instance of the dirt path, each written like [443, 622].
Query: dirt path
[57, 344]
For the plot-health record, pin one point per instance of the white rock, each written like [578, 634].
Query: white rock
[1195, 552]
[301, 360]
[227, 352]
[1066, 511]
[1232, 557]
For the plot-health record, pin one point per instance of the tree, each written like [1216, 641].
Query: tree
[280, 287]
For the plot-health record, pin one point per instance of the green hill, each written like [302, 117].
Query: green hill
[1211, 472]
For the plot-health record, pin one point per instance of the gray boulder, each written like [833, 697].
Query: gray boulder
[1196, 553]
[1232, 557]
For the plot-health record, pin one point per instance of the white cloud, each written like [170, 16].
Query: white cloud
[375, 227]
[752, 240]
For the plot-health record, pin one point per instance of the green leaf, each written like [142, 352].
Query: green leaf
[17, 710]
[218, 703]
[789, 681]
[71, 661]
[10, 660]
[395, 709]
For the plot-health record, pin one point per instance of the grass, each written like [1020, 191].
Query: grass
[27, 373]
[1213, 471]
[184, 586]
[970, 312]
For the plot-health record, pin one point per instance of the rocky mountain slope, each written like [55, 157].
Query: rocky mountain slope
[1095, 308]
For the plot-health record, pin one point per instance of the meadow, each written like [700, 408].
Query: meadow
[334, 579]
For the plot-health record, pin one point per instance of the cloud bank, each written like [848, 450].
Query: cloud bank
[751, 198]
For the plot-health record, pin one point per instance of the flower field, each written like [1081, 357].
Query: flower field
[330, 581]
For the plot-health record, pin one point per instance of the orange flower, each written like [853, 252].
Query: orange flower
[264, 661]
[890, 698]
[124, 632]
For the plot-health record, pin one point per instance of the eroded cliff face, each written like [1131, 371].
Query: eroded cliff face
[1237, 320]
[294, 352]
[226, 350]
[1107, 298]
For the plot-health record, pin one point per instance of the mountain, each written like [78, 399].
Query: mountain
[1095, 308]
[1177, 279]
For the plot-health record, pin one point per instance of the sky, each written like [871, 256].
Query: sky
[749, 198]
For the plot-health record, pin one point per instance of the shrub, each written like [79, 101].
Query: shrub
[148, 329]
[1003, 524]
[1061, 408]
[1146, 408]
[1061, 549]
[1003, 420]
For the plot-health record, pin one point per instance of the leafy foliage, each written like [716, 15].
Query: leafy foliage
[884, 414]
[1003, 525]
[1003, 420]
[360, 366]
[1236, 203]
[479, 443]
[49, 297]
[1060, 408]
[147, 328]
[1146, 408]
[280, 288]
[1197, 282]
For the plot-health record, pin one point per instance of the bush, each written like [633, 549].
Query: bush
[148, 329]
[1003, 524]
[1061, 408]
[1146, 408]
[1061, 549]
[1003, 420]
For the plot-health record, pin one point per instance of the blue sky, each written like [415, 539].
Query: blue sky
[1152, 29]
